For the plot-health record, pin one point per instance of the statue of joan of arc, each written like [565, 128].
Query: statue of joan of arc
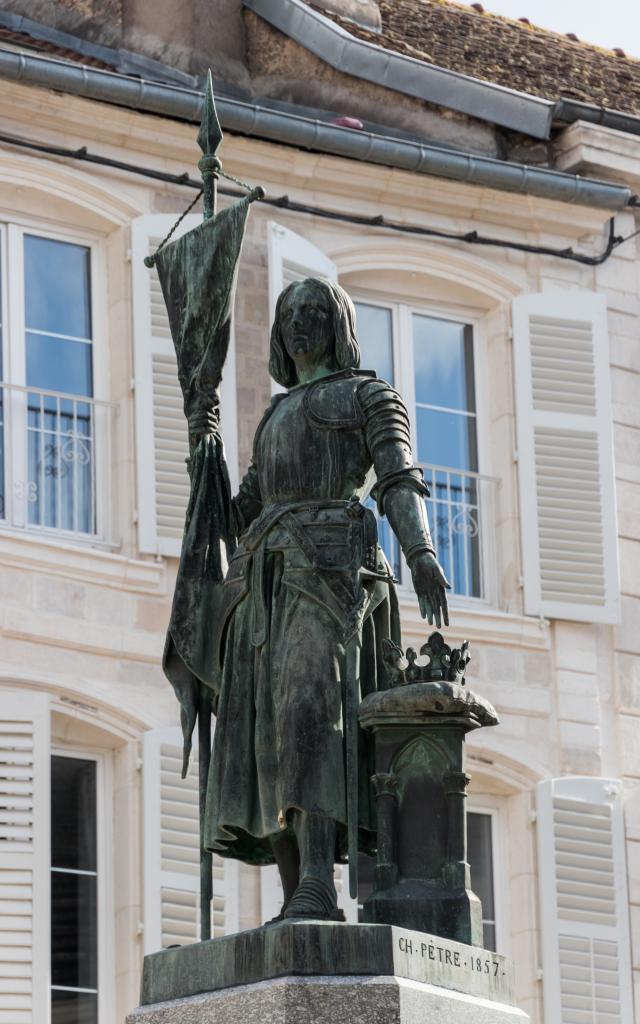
[308, 586]
[284, 643]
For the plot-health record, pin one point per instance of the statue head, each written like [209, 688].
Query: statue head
[313, 312]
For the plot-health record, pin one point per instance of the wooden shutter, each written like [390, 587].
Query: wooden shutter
[585, 939]
[565, 456]
[172, 851]
[24, 857]
[162, 444]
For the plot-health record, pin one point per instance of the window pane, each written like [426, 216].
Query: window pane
[57, 287]
[376, 340]
[480, 857]
[74, 1008]
[60, 453]
[455, 525]
[447, 439]
[73, 813]
[74, 930]
[443, 363]
[59, 365]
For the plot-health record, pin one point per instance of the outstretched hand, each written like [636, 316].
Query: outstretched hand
[430, 585]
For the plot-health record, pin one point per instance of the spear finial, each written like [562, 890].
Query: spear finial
[209, 139]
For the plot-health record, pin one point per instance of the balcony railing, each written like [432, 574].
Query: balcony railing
[461, 510]
[56, 459]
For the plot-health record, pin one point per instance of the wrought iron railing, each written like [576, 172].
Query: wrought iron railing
[461, 510]
[56, 462]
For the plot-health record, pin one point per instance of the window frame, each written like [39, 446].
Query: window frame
[104, 873]
[402, 310]
[12, 231]
[491, 806]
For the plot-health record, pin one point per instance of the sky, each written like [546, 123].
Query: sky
[614, 23]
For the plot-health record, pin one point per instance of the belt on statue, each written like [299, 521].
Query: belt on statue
[287, 515]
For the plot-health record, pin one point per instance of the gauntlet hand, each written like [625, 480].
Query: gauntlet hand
[430, 585]
[203, 421]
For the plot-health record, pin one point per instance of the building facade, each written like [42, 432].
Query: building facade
[519, 364]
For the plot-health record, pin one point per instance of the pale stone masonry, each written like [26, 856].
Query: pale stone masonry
[83, 623]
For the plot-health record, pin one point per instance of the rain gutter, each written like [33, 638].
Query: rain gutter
[291, 129]
[345, 52]
[124, 61]
[569, 111]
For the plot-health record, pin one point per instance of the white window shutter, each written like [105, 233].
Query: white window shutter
[292, 258]
[24, 857]
[172, 851]
[586, 950]
[162, 444]
[565, 456]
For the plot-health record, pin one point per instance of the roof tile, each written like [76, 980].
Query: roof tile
[514, 54]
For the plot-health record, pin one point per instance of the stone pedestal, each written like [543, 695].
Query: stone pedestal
[353, 1000]
[422, 876]
[307, 972]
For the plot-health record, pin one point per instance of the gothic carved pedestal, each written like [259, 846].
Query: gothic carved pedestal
[419, 725]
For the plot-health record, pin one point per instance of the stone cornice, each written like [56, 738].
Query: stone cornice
[38, 554]
[480, 625]
[344, 184]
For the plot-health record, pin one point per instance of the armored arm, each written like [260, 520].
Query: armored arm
[400, 491]
[400, 487]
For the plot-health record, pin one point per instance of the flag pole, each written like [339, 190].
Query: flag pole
[209, 139]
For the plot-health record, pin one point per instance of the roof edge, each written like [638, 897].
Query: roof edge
[362, 59]
[124, 61]
[292, 129]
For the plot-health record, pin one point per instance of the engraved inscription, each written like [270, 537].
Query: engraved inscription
[452, 965]
[451, 957]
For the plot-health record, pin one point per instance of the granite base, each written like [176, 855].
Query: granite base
[316, 1000]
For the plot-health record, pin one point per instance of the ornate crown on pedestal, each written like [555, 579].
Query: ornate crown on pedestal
[445, 663]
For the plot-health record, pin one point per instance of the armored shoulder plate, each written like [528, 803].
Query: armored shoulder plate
[331, 403]
[384, 413]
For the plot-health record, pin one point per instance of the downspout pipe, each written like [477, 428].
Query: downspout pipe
[291, 129]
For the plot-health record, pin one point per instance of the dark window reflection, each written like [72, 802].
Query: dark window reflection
[74, 932]
[480, 857]
[74, 1008]
[74, 896]
[73, 813]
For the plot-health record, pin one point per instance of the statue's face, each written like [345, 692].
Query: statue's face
[306, 325]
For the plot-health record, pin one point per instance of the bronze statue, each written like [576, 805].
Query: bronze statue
[284, 648]
[308, 588]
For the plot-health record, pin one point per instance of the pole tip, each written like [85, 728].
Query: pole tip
[210, 134]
